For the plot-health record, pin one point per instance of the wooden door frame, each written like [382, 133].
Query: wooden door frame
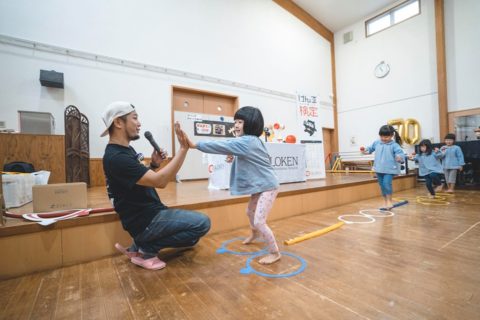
[197, 91]
[461, 113]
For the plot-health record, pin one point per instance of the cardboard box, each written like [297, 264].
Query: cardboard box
[59, 196]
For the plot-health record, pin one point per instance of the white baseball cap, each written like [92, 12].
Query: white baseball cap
[114, 110]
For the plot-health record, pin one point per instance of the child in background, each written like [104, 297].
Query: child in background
[251, 174]
[429, 166]
[388, 156]
[452, 160]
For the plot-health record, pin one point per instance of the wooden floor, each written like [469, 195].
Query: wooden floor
[422, 263]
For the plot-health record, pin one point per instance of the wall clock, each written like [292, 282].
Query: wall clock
[382, 70]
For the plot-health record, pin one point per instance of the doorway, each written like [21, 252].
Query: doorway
[193, 108]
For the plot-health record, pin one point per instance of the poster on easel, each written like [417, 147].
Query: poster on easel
[310, 133]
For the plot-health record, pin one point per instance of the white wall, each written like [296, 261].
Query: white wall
[462, 40]
[250, 41]
[410, 90]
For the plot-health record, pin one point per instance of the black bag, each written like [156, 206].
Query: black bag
[19, 166]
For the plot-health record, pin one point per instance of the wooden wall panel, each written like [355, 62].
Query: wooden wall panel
[188, 102]
[27, 253]
[219, 105]
[87, 243]
[45, 152]
[97, 176]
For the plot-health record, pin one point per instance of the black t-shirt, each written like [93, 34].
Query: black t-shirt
[135, 204]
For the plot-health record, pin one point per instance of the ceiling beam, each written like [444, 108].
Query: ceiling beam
[323, 31]
[306, 18]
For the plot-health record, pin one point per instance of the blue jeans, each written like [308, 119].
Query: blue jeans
[171, 228]
[432, 180]
[385, 182]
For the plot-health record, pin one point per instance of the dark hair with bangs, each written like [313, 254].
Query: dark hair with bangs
[427, 143]
[252, 120]
[450, 136]
[388, 131]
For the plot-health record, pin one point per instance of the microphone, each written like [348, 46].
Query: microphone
[149, 137]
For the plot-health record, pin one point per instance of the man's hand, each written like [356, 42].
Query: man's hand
[181, 136]
[157, 158]
[229, 158]
[160, 178]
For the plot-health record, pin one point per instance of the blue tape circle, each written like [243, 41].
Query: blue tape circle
[249, 270]
[223, 249]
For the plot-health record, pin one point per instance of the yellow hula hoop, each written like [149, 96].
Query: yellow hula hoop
[433, 199]
[444, 194]
[433, 202]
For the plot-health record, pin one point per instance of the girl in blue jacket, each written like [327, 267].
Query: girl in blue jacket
[452, 161]
[251, 174]
[388, 156]
[429, 166]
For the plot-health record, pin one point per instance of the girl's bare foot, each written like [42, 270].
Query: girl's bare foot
[439, 189]
[250, 239]
[270, 258]
[449, 191]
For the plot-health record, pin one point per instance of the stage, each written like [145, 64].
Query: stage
[28, 247]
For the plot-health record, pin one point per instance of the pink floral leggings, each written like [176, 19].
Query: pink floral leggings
[258, 209]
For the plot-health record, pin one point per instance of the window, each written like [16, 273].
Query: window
[397, 14]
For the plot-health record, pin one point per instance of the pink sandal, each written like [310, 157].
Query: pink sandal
[150, 264]
[123, 250]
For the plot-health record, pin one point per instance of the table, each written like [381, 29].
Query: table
[288, 161]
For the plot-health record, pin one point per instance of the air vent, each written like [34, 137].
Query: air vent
[347, 37]
[2, 125]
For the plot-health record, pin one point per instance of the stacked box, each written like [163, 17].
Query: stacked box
[17, 189]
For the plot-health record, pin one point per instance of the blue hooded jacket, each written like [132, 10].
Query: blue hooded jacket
[251, 169]
[385, 154]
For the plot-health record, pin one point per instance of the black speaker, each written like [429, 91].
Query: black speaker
[51, 79]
